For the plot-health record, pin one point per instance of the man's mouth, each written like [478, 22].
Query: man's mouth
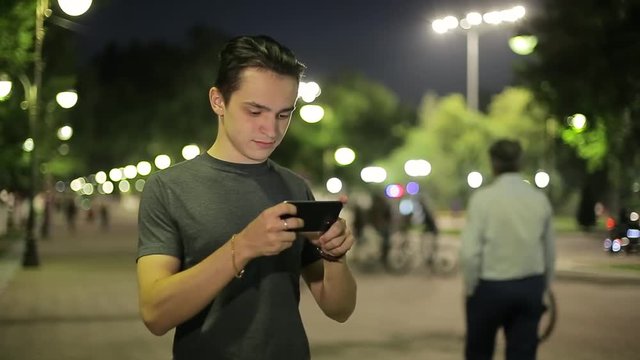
[264, 142]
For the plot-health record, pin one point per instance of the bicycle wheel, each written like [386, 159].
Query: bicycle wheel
[444, 264]
[399, 259]
[549, 316]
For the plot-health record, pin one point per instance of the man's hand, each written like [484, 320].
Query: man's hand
[338, 239]
[268, 234]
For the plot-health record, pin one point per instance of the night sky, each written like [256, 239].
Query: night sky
[390, 41]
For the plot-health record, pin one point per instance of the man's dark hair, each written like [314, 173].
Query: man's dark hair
[505, 156]
[254, 52]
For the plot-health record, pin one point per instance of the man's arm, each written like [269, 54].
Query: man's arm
[471, 248]
[331, 282]
[549, 245]
[169, 297]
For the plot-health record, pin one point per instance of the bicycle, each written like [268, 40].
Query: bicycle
[413, 248]
[366, 252]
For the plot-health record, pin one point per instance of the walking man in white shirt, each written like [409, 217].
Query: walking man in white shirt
[508, 253]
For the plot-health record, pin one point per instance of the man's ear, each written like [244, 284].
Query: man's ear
[217, 101]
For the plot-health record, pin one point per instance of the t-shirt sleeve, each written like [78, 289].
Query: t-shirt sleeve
[157, 232]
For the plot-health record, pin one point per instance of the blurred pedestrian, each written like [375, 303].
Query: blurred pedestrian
[429, 226]
[45, 226]
[380, 218]
[508, 253]
[70, 211]
[217, 261]
[104, 217]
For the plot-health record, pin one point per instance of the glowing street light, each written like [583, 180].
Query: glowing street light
[115, 174]
[334, 185]
[373, 174]
[470, 24]
[65, 133]
[418, 167]
[144, 168]
[101, 177]
[162, 161]
[311, 113]
[578, 122]
[309, 91]
[74, 7]
[344, 156]
[523, 44]
[541, 179]
[5, 86]
[474, 179]
[190, 151]
[67, 99]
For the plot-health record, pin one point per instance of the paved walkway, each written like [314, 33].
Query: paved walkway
[81, 303]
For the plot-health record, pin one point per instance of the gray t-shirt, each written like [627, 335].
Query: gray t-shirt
[191, 209]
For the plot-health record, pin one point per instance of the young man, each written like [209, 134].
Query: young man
[216, 260]
[508, 259]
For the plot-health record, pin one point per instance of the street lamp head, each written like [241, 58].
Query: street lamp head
[65, 133]
[5, 86]
[74, 7]
[311, 113]
[439, 26]
[344, 156]
[474, 18]
[445, 24]
[67, 99]
[523, 44]
[308, 91]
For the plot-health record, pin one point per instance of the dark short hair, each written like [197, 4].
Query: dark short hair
[505, 156]
[258, 51]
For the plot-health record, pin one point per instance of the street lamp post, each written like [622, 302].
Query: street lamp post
[471, 24]
[32, 95]
[32, 98]
[472, 70]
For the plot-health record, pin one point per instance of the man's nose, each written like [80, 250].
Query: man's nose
[268, 126]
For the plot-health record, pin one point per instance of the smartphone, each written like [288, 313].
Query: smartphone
[317, 215]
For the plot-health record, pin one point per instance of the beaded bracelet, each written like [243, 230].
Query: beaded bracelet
[238, 274]
[328, 256]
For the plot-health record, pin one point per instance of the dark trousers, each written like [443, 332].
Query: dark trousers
[514, 305]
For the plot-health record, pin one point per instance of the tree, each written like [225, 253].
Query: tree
[16, 34]
[17, 25]
[142, 100]
[360, 114]
[588, 64]
[16, 41]
[455, 141]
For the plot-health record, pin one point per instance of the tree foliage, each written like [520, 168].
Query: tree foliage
[16, 34]
[142, 100]
[360, 114]
[455, 141]
[16, 40]
[588, 64]
[17, 26]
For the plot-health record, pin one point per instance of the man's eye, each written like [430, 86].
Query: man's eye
[284, 115]
[254, 112]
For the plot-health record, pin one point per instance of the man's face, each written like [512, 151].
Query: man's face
[256, 117]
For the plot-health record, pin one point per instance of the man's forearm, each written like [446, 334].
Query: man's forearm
[172, 300]
[339, 290]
